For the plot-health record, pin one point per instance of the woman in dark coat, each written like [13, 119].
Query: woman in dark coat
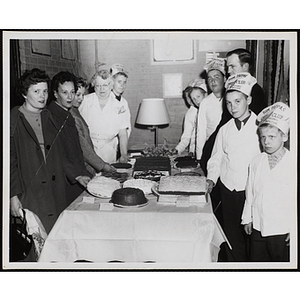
[64, 87]
[37, 178]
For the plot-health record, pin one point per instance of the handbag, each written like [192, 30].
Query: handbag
[36, 230]
[20, 241]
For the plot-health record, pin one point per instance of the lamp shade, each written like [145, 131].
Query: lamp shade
[153, 111]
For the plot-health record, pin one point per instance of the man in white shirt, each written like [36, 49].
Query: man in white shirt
[235, 146]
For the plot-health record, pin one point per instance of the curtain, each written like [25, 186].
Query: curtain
[15, 73]
[251, 45]
[276, 71]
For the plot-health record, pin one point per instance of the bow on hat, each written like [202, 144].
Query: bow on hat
[277, 115]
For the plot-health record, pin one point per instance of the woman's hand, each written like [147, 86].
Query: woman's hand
[108, 168]
[83, 180]
[248, 228]
[16, 207]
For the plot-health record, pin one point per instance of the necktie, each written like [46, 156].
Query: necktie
[238, 124]
[118, 97]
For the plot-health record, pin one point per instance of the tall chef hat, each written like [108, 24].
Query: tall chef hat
[117, 68]
[216, 64]
[277, 115]
[241, 82]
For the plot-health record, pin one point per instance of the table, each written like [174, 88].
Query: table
[156, 233]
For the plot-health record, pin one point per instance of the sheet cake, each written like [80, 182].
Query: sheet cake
[182, 185]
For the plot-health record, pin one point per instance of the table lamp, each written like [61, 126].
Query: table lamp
[153, 112]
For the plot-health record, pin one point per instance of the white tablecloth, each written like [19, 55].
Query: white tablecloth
[154, 233]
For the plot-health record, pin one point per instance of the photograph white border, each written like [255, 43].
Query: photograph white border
[197, 35]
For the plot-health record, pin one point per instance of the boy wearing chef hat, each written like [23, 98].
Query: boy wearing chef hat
[266, 212]
[193, 94]
[235, 146]
[120, 75]
[211, 107]
[198, 91]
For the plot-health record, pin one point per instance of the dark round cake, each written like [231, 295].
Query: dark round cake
[128, 197]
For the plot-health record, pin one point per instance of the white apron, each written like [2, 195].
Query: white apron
[104, 124]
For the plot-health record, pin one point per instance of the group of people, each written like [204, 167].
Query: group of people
[239, 142]
[58, 144]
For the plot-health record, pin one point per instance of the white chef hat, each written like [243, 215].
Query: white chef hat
[200, 83]
[216, 64]
[277, 115]
[117, 68]
[241, 82]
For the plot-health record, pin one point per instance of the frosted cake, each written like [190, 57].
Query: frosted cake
[182, 185]
[101, 186]
[144, 184]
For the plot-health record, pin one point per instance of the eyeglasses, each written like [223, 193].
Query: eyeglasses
[104, 86]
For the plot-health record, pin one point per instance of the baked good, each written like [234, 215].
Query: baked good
[186, 162]
[158, 163]
[128, 197]
[101, 186]
[190, 173]
[182, 185]
[144, 184]
[162, 150]
[122, 165]
[153, 175]
[120, 176]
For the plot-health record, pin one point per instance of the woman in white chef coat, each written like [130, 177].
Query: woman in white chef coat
[106, 118]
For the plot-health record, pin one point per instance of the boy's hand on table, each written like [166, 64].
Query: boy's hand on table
[248, 228]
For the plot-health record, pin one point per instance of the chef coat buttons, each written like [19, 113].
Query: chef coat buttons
[53, 177]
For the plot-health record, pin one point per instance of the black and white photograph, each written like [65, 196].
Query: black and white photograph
[150, 150]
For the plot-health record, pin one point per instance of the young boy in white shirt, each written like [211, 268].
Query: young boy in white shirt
[266, 212]
[235, 146]
[120, 76]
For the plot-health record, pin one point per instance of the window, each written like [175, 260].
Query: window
[172, 51]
